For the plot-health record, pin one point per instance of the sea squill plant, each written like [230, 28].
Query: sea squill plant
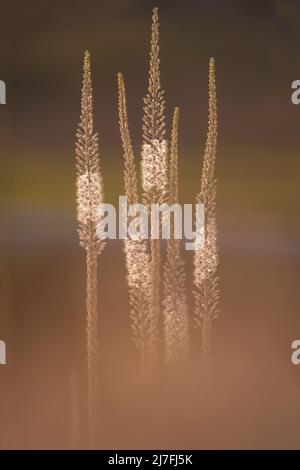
[175, 311]
[159, 181]
[137, 258]
[89, 197]
[144, 267]
[206, 259]
[154, 173]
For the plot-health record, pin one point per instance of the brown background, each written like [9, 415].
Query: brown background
[251, 397]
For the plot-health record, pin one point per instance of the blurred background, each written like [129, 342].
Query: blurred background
[251, 397]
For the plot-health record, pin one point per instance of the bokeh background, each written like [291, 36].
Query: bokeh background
[250, 398]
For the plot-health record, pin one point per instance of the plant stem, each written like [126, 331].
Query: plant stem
[92, 339]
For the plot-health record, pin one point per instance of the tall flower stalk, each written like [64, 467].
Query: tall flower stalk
[206, 259]
[154, 173]
[89, 197]
[175, 312]
[137, 258]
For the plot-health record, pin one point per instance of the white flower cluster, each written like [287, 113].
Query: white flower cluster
[89, 197]
[138, 266]
[154, 166]
[207, 257]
